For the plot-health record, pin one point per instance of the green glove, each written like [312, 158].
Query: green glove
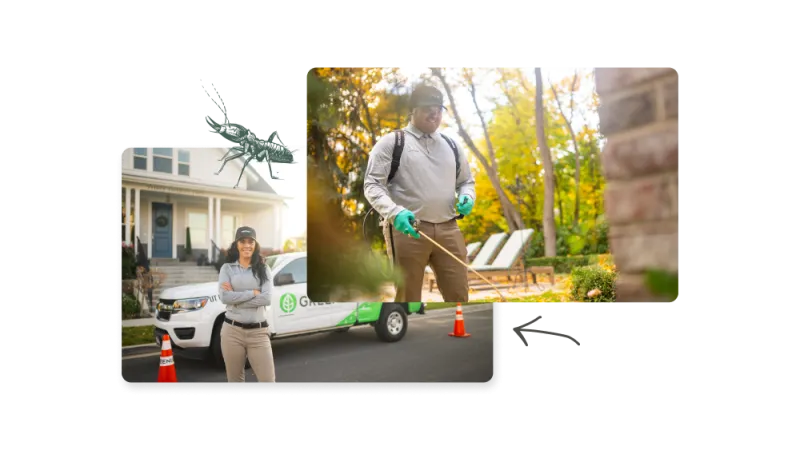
[402, 222]
[465, 204]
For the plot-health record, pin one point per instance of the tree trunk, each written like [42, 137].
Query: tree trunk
[516, 216]
[575, 145]
[593, 162]
[548, 219]
[512, 217]
[559, 199]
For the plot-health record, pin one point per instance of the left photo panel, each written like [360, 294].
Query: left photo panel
[191, 216]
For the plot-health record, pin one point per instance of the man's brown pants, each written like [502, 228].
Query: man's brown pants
[412, 255]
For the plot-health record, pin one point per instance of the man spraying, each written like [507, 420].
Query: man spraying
[419, 177]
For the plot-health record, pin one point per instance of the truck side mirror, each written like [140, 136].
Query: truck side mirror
[283, 279]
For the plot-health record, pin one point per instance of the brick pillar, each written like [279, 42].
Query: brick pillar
[639, 118]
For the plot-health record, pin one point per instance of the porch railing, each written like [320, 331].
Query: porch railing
[215, 251]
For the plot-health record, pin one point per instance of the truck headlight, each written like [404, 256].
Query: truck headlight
[189, 304]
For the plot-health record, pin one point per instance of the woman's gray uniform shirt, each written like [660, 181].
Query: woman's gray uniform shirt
[242, 305]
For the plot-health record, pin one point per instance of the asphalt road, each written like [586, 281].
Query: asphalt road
[426, 353]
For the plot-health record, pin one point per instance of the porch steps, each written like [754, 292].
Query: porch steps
[181, 273]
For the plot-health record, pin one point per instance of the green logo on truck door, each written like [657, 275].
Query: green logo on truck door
[288, 302]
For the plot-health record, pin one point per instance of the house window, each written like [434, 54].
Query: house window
[183, 162]
[162, 160]
[198, 224]
[140, 158]
[229, 225]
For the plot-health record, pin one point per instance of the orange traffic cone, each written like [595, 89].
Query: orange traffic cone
[458, 327]
[166, 372]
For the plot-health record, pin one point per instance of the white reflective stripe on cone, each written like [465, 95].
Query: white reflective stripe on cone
[166, 345]
[166, 361]
[459, 318]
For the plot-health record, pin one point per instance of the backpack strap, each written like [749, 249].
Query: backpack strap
[455, 152]
[397, 153]
[399, 143]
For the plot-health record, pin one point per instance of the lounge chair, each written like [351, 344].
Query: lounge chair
[487, 252]
[472, 249]
[509, 261]
[489, 249]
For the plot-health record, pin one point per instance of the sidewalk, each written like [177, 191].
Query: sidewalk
[139, 322]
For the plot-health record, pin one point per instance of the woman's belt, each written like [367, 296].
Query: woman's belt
[247, 326]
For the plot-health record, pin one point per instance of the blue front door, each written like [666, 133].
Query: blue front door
[162, 230]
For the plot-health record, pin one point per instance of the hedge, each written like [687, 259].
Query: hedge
[565, 264]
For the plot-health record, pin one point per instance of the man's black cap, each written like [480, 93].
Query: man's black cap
[245, 232]
[426, 96]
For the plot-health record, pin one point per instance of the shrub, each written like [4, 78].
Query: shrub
[605, 259]
[128, 262]
[662, 283]
[188, 248]
[586, 238]
[130, 306]
[584, 279]
[128, 286]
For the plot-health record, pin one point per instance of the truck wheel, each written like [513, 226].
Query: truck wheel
[215, 352]
[392, 323]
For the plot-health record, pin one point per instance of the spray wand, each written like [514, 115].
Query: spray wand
[416, 228]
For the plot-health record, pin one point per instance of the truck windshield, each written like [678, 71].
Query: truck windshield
[271, 261]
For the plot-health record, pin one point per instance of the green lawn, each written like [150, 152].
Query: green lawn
[441, 305]
[137, 335]
[546, 297]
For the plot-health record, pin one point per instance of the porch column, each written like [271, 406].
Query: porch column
[175, 229]
[218, 218]
[149, 229]
[127, 215]
[210, 226]
[136, 229]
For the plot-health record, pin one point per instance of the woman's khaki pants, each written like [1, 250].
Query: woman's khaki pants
[253, 344]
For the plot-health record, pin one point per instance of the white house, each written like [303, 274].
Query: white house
[175, 188]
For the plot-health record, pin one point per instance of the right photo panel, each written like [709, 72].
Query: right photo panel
[440, 186]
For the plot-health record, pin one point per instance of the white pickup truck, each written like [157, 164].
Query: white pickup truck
[192, 314]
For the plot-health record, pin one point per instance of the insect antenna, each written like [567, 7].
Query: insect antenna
[224, 111]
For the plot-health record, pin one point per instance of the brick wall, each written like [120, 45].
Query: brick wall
[639, 118]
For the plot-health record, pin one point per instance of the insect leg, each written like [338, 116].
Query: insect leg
[243, 168]
[275, 134]
[229, 152]
[230, 158]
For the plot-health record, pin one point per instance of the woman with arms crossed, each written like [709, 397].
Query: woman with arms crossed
[245, 284]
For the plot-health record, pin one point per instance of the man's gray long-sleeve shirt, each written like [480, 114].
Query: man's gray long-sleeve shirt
[425, 183]
[242, 305]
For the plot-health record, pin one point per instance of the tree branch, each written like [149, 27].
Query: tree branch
[472, 91]
[437, 72]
